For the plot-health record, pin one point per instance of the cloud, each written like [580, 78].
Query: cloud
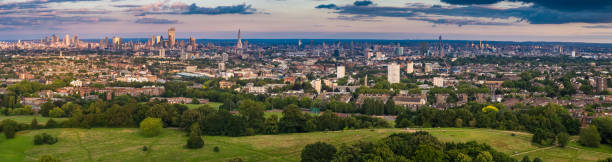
[236, 9]
[327, 6]
[562, 5]
[155, 21]
[51, 20]
[363, 3]
[599, 26]
[475, 14]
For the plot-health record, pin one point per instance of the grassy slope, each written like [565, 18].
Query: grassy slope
[211, 104]
[124, 144]
[28, 119]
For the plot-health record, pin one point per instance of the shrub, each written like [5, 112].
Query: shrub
[216, 149]
[151, 127]
[44, 138]
[56, 112]
[562, 139]
[51, 124]
[48, 158]
[34, 124]
[235, 160]
[9, 127]
[145, 148]
[318, 152]
[195, 141]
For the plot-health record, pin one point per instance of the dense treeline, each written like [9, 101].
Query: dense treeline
[418, 146]
[546, 122]
[247, 120]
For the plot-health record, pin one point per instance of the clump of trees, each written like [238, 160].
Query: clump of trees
[195, 139]
[9, 127]
[44, 138]
[418, 146]
[548, 123]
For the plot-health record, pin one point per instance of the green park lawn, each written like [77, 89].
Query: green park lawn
[125, 144]
[28, 118]
[211, 104]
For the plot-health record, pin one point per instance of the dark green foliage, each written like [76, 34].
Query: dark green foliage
[216, 149]
[145, 148]
[44, 138]
[604, 126]
[537, 159]
[34, 124]
[543, 137]
[419, 146]
[293, 120]
[51, 124]
[606, 160]
[525, 159]
[318, 152]
[562, 139]
[9, 127]
[589, 136]
[195, 141]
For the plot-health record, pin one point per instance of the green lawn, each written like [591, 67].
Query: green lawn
[211, 104]
[125, 144]
[28, 118]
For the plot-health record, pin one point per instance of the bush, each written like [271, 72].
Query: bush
[589, 136]
[44, 138]
[51, 124]
[216, 149]
[318, 152]
[606, 160]
[562, 139]
[9, 127]
[235, 160]
[195, 141]
[56, 112]
[34, 124]
[145, 148]
[151, 127]
[48, 158]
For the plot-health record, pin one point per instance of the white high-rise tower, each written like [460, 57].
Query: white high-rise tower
[410, 67]
[393, 73]
[340, 72]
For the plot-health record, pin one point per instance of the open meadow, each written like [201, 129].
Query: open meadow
[125, 144]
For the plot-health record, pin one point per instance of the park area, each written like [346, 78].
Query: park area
[125, 144]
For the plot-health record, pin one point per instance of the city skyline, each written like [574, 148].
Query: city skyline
[497, 20]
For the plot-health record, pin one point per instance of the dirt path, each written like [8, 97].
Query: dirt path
[530, 151]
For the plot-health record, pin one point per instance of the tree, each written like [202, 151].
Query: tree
[271, 125]
[589, 136]
[56, 112]
[463, 158]
[293, 120]
[9, 127]
[428, 153]
[458, 123]
[151, 127]
[195, 141]
[48, 158]
[253, 112]
[318, 152]
[537, 159]
[34, 124]
[51, 123]
[525, 159]
[604, 126]
[562, 139]
[484, 156]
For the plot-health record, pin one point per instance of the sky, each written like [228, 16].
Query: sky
[502, 20]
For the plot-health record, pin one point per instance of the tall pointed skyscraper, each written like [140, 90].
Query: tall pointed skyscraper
[239, 43]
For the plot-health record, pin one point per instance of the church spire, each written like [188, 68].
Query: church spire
[239, 43]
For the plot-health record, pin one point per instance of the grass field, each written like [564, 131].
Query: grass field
[28, 118]
[125, 144]
[211, 104]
